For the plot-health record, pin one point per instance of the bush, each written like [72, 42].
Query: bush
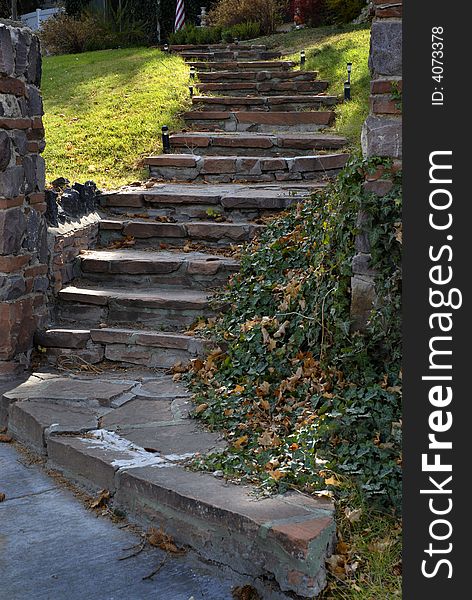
[213, 35]
[267, 13]
[64, 34]
[344, 11]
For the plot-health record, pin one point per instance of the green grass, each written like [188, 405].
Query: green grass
[104, 112]
[328, 50]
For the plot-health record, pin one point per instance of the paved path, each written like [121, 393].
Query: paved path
[52, 548]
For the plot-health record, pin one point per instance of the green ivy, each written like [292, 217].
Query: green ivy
[305, 401]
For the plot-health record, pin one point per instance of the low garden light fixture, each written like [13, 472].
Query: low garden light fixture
[302, 58]
[165, 139]
[349, 71]
[190, 89]
[347, 90]
[166, 47]
[192, 72]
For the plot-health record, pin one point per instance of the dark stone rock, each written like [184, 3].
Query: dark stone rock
[34, 102]
[60, 183]
[11, 287]
[361, 264]
[20, 141]
[11, 182]
[88, 195]
[22, 45]
[30, 174]
[386, 48]
[5, 150]
[33, 227]
[7, 61]
[34, 59]
[41, 284]
[12, 229]
[70, 202]
[51, 208]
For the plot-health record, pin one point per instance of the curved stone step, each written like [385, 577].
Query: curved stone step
[154, 349]
[223, 169]
[212, 47]
[263, 65]
[254, 144]
[151, 234]
[132, 436]
[285, 103]
[225, 55]
[186, 202]
[143, 268]
[264, 88]
[172, 309]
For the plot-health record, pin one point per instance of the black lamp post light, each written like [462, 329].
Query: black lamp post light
[190, 89]
[166, 47]
[302, 59]
[165, 140]
[192, 72]
[347, 84]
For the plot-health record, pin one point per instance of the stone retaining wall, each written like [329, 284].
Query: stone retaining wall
[381, 136]
[23, 231]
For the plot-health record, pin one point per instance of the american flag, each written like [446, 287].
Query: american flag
[179, 15]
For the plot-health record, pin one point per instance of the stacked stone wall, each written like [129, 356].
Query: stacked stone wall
[23, 231]
[381, 136]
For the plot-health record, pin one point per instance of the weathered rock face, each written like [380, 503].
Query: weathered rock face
[23, 241]
[381, 136]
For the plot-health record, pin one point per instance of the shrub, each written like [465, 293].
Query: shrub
[213, 35]
[344, 11]
[242, 31]
[267, 13]
[64, 34]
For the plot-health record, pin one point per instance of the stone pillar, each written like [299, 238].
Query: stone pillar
[23, 230]
[381, 136]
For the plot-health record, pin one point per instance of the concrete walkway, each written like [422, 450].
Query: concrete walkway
[52, 548]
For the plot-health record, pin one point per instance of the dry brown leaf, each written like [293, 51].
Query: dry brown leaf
[353, 515]
[5, 439]
[200, 408]
[158, 539]
[276, 474]
[240, 442]
[332, 481]
[265, 439]
[101, 499]
[2, 496]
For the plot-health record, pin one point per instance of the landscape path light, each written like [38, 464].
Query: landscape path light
[192, 72]
[349, 70]
[302, 59]
[165, 139]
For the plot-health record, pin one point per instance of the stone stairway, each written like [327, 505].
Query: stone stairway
[162, 251]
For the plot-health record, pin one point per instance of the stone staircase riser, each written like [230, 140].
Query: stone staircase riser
[268, 88]
[235, 169]
[242, 66]
[278, 103]
[272, 76]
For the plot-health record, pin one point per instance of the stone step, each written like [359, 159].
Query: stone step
[154, 349]
[146, 269]
[259, 121]
[212, 47]
[132, 436]
[166, 309]
[253, 144]
[254, 65]
[225, 169]
[271, 75]
[284, 103]
[149, 233]
[229, 55]
[264, 88]
[189, 202]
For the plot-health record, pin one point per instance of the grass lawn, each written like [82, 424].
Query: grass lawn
[104, 111]
[328, 49]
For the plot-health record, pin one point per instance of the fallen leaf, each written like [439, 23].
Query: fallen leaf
[353, 515]
[200, 408]
[5, 439]
[158, 539]
[240, 442]
[265, 439]
[276, 474]
[332, 481]
[101, 499]
[2, 496]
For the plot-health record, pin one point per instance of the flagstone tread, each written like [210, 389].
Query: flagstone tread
[254, 65]
[264, 103]
[205, 141]
[158, 298]
[269, 87]
[252, 168]
[257, 75]
[179, 233]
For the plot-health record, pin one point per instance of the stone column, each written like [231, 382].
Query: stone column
[23, 231]
[381, 136]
